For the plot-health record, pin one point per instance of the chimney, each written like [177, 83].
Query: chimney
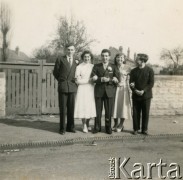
[135, 55]
[17, 50]
[128, 53]
[120, 49]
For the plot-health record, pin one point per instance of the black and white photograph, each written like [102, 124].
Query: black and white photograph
[91, 89]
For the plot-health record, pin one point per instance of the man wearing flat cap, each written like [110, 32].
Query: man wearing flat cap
[141, 84]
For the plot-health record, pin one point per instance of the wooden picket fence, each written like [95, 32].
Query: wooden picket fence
[30, 88]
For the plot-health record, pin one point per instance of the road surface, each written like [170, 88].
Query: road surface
[86, 161]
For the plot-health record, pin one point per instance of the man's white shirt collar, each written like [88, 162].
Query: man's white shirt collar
[69, 58]
[105, 65]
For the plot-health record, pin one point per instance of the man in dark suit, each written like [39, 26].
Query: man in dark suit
[64, 72]
[141, 83]
[103, 75]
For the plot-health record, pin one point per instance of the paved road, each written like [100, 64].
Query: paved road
[82, 161]
[23, 129]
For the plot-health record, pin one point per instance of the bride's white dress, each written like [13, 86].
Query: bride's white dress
[85, 100]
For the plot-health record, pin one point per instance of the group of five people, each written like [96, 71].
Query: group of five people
[84, 88]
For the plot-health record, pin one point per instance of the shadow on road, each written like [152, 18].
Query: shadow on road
[36, 124]
[41, 124]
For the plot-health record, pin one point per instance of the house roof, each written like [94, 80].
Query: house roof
[15, 56]
[114, 51]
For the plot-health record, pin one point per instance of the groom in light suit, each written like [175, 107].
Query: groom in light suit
[103, 75]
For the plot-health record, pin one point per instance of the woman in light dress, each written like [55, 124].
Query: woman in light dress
[122, 105]
[85, 102]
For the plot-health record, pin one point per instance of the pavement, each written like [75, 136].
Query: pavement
[34, 131]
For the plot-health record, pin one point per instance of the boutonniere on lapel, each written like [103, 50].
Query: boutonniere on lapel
[109, 68]
[77, 62]
[109, 72]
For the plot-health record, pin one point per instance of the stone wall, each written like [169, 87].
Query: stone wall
[2, 93]
[167, 96]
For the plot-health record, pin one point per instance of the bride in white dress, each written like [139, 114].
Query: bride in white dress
[85, 101]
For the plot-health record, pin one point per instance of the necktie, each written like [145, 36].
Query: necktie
[70, 61]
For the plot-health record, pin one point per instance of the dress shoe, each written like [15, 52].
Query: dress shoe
[62, 132]
[114, 128]
[135, 132]
[145, 133]
[89, 128]
[108, 130]
[95, 131]
[85, 129]
[120, 129]
[71, 130]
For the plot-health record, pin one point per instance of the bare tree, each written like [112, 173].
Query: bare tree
[71, 32]
[67, 32]
[5, 25]
[174, 56]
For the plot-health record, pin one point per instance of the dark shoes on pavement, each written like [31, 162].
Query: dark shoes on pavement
[96, 130]
[62, 132]
[108, 131]
[71, 130]
[135, 132]
[144, 133]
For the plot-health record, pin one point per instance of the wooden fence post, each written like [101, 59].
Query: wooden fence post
[40, 76]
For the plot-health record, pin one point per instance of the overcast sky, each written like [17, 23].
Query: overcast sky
[143, 25]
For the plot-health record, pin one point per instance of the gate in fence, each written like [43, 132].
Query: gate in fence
[30, 88]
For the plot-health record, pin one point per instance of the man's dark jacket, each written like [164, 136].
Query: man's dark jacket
[144, 80]
[104, 87]
[65, 75]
